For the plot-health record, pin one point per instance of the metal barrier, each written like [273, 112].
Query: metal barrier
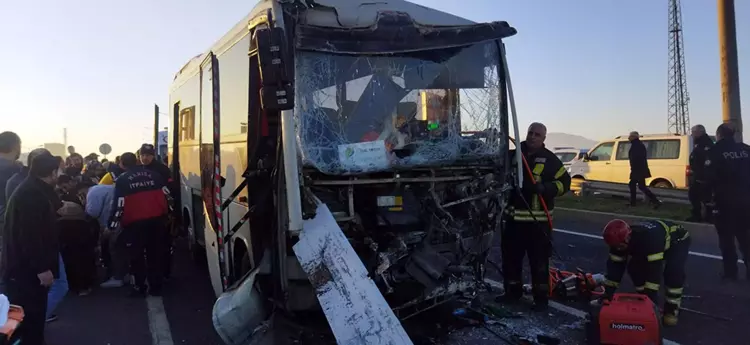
[590, 188]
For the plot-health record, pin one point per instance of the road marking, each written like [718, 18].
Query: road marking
[623, 215]
[158, 323]
[703, 255]
[564, 308]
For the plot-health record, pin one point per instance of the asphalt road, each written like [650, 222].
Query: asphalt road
[577, 245]
[183, 314]
[110, 317]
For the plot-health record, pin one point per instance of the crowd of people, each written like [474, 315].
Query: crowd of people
[61, 219]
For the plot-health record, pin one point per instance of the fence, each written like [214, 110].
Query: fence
[589, 188]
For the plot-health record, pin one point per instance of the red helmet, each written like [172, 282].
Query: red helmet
[616, 233]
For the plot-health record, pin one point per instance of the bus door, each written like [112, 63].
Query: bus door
[210, 173]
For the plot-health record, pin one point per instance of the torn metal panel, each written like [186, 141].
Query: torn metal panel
[238, 314]
[356, 310]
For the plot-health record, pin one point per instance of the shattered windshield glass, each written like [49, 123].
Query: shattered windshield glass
[358, 114]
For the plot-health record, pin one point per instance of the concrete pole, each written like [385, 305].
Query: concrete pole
[156, 127]
[730, 80]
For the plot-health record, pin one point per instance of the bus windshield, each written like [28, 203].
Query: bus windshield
[373, 113]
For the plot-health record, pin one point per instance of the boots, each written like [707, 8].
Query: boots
[513, 293]
[670, 317]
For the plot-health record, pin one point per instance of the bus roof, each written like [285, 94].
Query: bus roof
[329, 13]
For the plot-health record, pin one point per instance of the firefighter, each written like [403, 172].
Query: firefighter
[698, 193]
[727, 171]
[528, 229]
[142, 203]
[645, 249]
[147, 157]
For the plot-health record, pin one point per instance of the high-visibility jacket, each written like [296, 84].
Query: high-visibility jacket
[549, 171]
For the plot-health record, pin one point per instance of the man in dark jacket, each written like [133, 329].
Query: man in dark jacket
[697, 192]
[639, 171]
[10, 150]
[20, 176]
[528, 229]
[147, 157]
[141, 207]
[30, 250]
[728, 177]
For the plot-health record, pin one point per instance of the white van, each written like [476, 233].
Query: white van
[668, 160]
[569, 155]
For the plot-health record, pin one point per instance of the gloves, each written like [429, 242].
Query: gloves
[537, 188]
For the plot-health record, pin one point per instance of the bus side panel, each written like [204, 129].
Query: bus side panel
[184, 129]
[234, 78]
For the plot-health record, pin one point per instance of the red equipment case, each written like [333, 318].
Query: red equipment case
[628, 319]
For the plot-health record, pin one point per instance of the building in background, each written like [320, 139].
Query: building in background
[56, 149]
[23, 158]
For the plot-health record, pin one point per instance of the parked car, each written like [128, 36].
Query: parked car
[568, 155]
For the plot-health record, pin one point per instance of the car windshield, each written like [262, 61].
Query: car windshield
[358, 114]
[566, 157]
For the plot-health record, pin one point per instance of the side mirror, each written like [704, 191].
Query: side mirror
[276, 92]
[585, 157]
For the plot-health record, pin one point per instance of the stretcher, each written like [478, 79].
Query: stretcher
[8, 330]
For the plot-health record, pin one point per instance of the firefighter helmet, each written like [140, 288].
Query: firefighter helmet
[616, 233]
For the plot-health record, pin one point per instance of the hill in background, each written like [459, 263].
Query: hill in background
[568, 140]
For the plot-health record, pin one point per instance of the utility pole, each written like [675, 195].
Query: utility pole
[156, 127]
[730, 78]
[65, 139]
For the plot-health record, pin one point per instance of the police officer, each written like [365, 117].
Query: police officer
[727, 172]
[142, 203]
[698, 193]
[646, 249]
[528, 230]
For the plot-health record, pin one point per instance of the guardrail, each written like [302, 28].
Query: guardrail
[589, 188]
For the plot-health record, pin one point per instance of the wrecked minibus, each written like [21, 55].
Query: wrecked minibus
[345, 156]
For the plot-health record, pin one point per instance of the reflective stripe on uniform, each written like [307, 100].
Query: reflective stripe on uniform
[675, 291]
[667, 235]
[527, 213]
[616, 258]
[538, 169]
[560, 188]
[611, 283]
[531, 216]
[651, 286]
[655, 257]
[560, 172]
[675, 301]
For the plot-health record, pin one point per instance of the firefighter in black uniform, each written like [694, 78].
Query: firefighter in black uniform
[528, 229]
[698, 193]
[727, 171]
[646, 249]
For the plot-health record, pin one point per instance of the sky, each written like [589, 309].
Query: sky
[589, 67]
